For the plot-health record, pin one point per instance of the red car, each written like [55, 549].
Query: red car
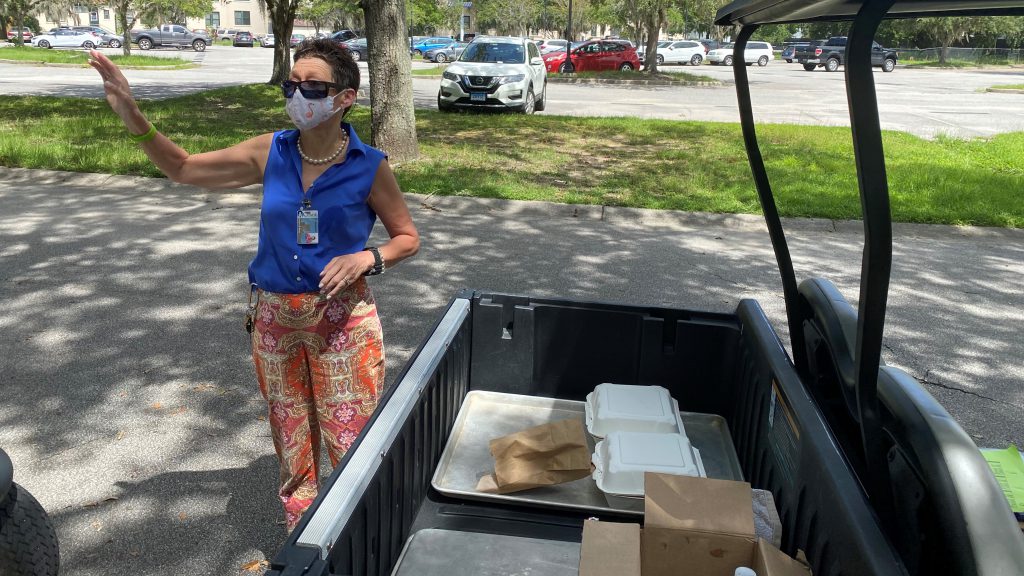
[26, 35]
[594, 56]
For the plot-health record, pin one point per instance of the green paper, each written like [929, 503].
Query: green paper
[1008, 467]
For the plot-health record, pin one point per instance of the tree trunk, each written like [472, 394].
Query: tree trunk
[944, 52]
[3, 25]
[393, 121]
[282, 17]
[654, 21]
[126, 30]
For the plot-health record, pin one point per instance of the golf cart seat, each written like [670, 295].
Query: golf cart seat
[941, 515]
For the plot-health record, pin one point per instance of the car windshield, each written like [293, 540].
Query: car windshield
[726, 47]
[494, 52]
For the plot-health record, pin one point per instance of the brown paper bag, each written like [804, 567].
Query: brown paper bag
[540, 456]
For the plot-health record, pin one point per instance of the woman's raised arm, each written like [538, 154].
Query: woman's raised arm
[233, 167]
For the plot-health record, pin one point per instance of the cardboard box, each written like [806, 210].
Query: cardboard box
[692, 527]
[610, 549]
[705, 527]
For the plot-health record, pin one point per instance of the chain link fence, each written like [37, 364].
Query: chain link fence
[974, 56]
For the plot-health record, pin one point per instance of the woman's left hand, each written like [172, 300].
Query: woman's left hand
[342, 271]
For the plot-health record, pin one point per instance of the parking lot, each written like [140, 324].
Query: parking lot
[920, 101]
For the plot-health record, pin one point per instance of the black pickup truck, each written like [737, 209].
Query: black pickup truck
[831, 54]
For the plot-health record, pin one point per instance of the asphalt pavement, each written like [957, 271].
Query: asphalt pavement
[130, 408]
[924, 102]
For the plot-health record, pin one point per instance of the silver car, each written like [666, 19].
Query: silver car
[445, 53]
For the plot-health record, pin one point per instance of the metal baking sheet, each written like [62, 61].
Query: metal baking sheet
[488, 415]
[434, 552]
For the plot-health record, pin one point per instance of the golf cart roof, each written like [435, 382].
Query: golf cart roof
[749, 12]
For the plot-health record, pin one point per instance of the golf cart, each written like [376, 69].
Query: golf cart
[871, 476]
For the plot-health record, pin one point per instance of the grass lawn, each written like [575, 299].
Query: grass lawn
[665, 164]
[950, 63]
[432, 71]
[76, 56]
[1009, 86]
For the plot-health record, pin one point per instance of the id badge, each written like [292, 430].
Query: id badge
[308, 226]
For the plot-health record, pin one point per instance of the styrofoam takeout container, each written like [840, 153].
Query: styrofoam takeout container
[621, 459]
[626, 408]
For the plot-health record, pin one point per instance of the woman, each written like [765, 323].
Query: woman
[316, 338]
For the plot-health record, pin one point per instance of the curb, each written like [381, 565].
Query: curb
[1005, 90]
[527, 209]
[84, 65]
[709, 83]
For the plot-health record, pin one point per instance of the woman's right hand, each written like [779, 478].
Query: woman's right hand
[119, 93]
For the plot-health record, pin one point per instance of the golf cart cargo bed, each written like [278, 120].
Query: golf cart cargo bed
[731, 365]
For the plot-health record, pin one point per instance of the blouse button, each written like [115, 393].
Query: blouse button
[295, 256]
[298, 278]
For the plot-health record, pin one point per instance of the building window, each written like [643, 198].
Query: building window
[94, 18]
[213, 20]
[466, 22]
[241, 17]
[106, 14]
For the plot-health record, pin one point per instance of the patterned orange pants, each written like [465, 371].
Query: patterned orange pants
[320, 366]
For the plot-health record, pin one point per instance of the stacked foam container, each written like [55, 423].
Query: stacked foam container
[639, 429]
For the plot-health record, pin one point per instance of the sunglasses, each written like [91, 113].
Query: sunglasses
[312, 89]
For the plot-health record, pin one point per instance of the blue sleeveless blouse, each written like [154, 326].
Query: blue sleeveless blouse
[338, 195]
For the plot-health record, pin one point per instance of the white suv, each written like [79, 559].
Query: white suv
[681, 52]
[759, 52]
[495, 72]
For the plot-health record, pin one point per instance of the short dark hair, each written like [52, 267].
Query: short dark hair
[344, 69]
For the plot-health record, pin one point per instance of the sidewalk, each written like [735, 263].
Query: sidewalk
[128, 401]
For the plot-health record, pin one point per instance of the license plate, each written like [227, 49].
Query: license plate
[478, 97]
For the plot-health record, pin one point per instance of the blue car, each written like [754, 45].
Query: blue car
[430, 44]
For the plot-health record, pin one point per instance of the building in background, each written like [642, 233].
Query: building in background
[244, 15]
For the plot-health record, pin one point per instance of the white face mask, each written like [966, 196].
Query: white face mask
[308, 114]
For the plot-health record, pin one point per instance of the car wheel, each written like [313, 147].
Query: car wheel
[789, 61]
[355, 55]
[88, 45]
[200, 46]
[115, 43]
[810, 67]
[442, 105]
[888, 65]
[145, 43]
[531, 102]
[28, 542]
[564, 68]
[727, 61]
[542, 103]
[696, 59]
[44, 44]
[417, 53]
[832, 64]
[660, 59]
[440, 58]
[762, 61]
[625, 67]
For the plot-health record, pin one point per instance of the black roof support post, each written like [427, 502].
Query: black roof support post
[876, 261]
[764, 193]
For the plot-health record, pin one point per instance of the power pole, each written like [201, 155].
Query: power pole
[569, 66]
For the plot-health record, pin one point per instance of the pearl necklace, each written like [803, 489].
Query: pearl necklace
[329, 159]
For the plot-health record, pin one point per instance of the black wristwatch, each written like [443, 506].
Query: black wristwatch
[378, 262]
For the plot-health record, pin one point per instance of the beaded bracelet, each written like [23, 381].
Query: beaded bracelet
[140, 138]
